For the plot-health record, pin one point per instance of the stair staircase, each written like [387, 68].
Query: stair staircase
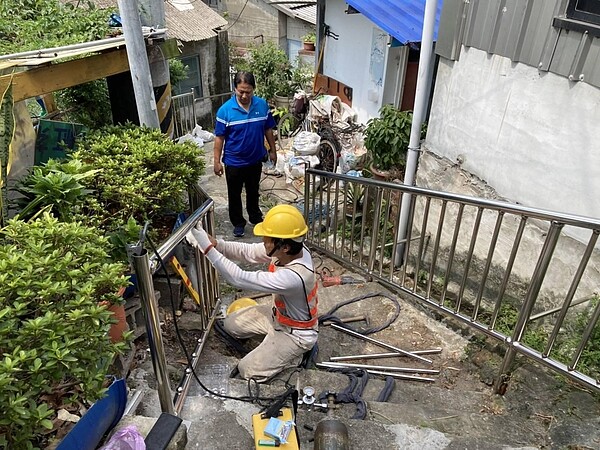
[456, 411]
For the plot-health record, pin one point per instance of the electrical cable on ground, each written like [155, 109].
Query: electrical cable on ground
[329, 316]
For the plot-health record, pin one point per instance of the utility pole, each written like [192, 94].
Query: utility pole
[138, 63]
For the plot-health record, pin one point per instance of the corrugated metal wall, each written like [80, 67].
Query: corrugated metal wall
[523, 31]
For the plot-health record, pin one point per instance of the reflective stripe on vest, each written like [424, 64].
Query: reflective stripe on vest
[311, 302]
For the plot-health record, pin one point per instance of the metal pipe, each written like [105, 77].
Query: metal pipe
[384, 355]
[423, 90]
[557, 309]
[81, 46]
[179, 234]
[388, 368]
[381, 344]
[141, 266]
[387, 374]
[401, 376]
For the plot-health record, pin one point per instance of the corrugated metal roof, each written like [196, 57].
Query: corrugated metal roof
[186, 20]
[304, 10]
[195, 24]
[401, 19]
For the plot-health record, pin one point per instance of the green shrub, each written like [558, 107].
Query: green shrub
[273, 71]
[54, 344]
[387, 137]
[143, 173]
[87, 104]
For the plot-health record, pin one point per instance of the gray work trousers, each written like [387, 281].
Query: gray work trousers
[281, 348]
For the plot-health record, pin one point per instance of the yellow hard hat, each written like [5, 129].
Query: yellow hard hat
[240, 303]
[282, 221]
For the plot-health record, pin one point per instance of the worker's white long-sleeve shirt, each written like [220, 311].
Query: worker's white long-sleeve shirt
[289, 281]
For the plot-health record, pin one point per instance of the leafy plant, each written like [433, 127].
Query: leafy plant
[54, 338]
[35, 24]
[87, 104]
[310, 37]
[387, 137]
[144, 174]
[273, 71]
[57, 185]
[178, 71]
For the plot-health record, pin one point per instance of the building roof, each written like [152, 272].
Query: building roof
[191, 20]
[303, 10]
[186, 20]
[401, 19]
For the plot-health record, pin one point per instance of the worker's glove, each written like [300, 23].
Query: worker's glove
[198, 238]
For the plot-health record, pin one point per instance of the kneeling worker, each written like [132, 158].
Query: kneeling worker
[290, 325]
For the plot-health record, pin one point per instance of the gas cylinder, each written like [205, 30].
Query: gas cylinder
[331, 434]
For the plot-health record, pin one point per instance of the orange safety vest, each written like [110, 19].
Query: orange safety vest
[311, 303]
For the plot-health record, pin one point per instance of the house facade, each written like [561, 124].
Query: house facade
[516, 100]
[255, 22]
[372, 46]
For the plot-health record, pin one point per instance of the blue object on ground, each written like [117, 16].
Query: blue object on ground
[98, 420]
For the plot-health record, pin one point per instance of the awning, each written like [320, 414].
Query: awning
[401, 19]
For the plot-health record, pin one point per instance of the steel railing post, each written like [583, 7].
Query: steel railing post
[141, 266]
[532, 293]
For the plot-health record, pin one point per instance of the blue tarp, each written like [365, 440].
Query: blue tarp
[403, 19]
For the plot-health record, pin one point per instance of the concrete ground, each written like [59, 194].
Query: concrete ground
[455, 409]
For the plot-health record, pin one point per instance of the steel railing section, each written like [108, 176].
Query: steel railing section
[490, 264]
[184, 114]
[205, 279]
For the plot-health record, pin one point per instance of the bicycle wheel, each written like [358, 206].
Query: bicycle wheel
[328, 157]
[287, 127]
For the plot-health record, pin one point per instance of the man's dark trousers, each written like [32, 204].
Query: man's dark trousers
[238, 178]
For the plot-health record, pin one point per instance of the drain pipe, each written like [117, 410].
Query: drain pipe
[420, 107]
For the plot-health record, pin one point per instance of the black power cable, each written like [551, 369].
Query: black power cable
[250, 398]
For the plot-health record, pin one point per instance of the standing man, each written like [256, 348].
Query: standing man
[289, 325]
[243, 123]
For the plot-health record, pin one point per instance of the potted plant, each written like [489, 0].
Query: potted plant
[308, 41]
[54, 338]
[386, 140]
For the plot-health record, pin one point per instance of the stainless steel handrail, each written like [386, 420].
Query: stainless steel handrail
[449, 230]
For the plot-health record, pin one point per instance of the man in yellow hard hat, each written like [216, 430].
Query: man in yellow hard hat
[289, 326]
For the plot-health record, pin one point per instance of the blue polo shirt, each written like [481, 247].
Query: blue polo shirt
[244, 131]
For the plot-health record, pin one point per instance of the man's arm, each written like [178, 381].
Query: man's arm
[218, 151]
[272, 148]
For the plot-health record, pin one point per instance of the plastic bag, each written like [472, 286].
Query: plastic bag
[191, 138]
[126, 438]
[206, 136]
[306, 143]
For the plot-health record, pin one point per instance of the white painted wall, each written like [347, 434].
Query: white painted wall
[348, 59]
[530, 135]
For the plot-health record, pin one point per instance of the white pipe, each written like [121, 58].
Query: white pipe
[83, 45]
[420, 107]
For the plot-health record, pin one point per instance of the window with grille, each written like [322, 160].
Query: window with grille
[194, 79]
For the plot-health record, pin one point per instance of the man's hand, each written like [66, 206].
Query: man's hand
[218, 167]
[273, 156]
